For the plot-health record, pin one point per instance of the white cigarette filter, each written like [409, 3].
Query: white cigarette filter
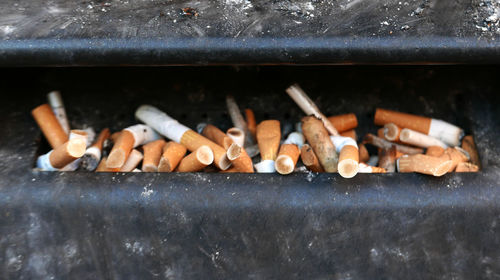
[365, 168]
[172, 129]
[265, 166]
[237, 135]
[57, 105]
[295, 138]
[418, 139]
[347, 148]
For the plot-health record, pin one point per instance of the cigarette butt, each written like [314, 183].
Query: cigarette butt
[380, 133]
[387, 159]
[435, 151]
[218, 136]
[234, 151]
[317, 136]
[172, 154]
[391, 132]
[237, 135]
[466, 167]
[93, 154]
[365, 168]
[309, 159]
[424, 164]
[268, 138]
[344, 122]
[133, 160]
[469, 146]
[350, 133]
[152, 155]
[232, 169]
[193, 141]
[114, 137]
[456, 156]
[103, 135]
[78, 133]
[102, 167]
[384, 144]
[251, 123]
[49, 125]
[57, 105]
[348, 155]
[295, 138]
[364, 156]
[418, 139]
[265, 166]
[243, 163]
[62, 155]
[197, 160]
[287, 158]
[237, 119]
[446, 132]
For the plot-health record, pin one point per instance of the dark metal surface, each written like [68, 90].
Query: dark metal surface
[233, 226]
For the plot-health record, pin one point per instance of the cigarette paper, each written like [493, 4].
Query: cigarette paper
[102, 167]
[237, 135]
[170, 128]
[391, 132]
[424, 164]
[197, 160]
[129, 138]
[251, 123]
[92, 155]
[387, 159]
[344, 122]
[456, 155]
[172, 154]
[57, 105]
[152, 154]
[62, 155]
[448, 133]
[268, 139]
[350, 133]
[49, 125]
[295, 138]
[469, 146]
[364, 156]
[384, 144]
[218, 136]
[348, 155]
[309, 159]
[364, 168]
[435, 151]
[132, 162]
[418, 139]
[237, 118]
[317, 136]
[307, 105]
[466, 167]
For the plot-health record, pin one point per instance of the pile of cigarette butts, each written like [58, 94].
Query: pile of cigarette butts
[405, 143]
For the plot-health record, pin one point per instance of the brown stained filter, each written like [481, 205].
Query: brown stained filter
[435, 151]
[364, 156]
[172, 154]
[287, 158]
[469, 146]
[380, 133]
[67, 152]
[233, 152]
[133, 160]
[49, 125]
[384, 144]
[319, 139]
[344, 122]
[251, 123]
[424, 164]
[243, 163]
[218, 136]
[391, 132]
[193, 141]
[387, 159]
[403, 120]
[114, 137]
[102, 167]
[309, 159]
[268, 138]
[350, 133]
[121, 150]
[466, 167]
[197, 160]
[456, 156]
[103, 135]
[152, 154]
[348, 161]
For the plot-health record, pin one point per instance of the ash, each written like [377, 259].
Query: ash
[488, 16]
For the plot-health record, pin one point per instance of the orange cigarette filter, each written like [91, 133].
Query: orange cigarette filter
[364, 168]
[243, 163]
[152, 155]
[121, 149]
[435, 151]
[469, 146]
[114, 136]
[49, 125]
[456, 156]
[218, 136]
[364, 156]
[197, 160]
[391, 132]
[424, 164]
[309, 159]
[319, 139]
[350, 133]
[102, 167]
[268, 138]
[172, 154]
[403, 120]
[344, 122]
[287, 158]
[193, 141]
[251, 124]
[67, 152]
[466, 167]
[348, 161]
[387, 159]
[103, 135]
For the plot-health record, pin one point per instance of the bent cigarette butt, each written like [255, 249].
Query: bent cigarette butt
[456, 156]
[218, 136]
[243, 163]
[102, 167]
[418, 139]
[251, 123]
[133, 160]
[348, 155]
[49, 125]
[466, 167]
[237, 119]
[237, 135]
[387, 159]
[469, 145]
[384, 144]
[62, 155]
[268, 139]
[435, 151]
[446, 132]
[152, 154]
[318, 138]
[172, 154]
[364, 168]
[57, 105]
[391, 132]
[344, 122]
[424, 164]
[309, 159]
[197, 160]
[364, 156]
[287, 158]
[350, 133]
[172, 129]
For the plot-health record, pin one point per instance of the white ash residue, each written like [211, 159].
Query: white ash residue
[147, 192]
[488, 17]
